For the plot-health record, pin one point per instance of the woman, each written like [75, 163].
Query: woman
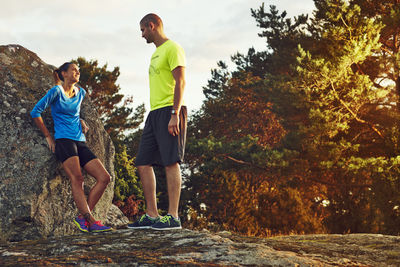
[69, 145]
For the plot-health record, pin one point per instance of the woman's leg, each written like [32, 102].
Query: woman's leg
[96, 169]
[73, 170]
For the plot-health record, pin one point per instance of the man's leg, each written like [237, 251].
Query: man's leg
[148, 179]
[174, 182]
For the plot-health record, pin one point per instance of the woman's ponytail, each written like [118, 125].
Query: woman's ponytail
[56, 77]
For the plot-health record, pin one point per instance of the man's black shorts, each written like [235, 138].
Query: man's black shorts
[157, 145]
[66, 148]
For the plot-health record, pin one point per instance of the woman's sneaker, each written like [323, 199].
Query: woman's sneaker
[167, 222]
[82, 224]
[145, 222]
[97, 227]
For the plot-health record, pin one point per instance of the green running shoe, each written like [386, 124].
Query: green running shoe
[167, 222]
[145, 222]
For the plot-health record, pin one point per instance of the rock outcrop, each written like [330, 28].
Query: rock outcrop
[35, 194]
[191, 248]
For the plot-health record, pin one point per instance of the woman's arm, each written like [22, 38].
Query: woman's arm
[36, 115]
[85, 128]
[50, 141]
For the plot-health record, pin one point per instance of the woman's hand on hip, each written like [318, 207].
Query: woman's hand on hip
[85, 128]
[51, 143]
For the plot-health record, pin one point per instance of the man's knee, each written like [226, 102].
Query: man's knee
[174, 166]
[143, 168]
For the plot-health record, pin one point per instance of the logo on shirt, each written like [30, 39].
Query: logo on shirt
[153, 70]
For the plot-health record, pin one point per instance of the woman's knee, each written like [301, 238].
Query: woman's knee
[105, 178]
[76, 179]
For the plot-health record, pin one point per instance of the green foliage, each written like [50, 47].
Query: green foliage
[306, 129]
[347, 138]
[126, 182]
[236, 168]
[239, 184]
[300, 138]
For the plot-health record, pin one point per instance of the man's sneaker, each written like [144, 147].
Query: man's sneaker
[145, 222]
[82, 224]
[167, 222]
[97, 227]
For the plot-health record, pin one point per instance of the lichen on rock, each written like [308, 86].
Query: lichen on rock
[193, 248]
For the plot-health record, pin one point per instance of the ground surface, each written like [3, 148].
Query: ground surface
[190, 248]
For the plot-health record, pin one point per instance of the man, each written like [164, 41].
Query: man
[164, 134]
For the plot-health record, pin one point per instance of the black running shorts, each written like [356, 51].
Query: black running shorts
[157, 145]
[66, 148]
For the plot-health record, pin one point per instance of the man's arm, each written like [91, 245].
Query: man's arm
[179, 75]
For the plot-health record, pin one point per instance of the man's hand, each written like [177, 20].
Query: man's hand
[173, 125]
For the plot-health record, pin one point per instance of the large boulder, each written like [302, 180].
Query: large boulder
[35, 194]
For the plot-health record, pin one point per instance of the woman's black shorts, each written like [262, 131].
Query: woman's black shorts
[66, 148]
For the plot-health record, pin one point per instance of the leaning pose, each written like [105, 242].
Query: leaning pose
[70, 146]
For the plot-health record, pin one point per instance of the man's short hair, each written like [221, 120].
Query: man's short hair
[156, 20]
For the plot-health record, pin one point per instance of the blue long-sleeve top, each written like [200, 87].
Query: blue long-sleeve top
[65, 112]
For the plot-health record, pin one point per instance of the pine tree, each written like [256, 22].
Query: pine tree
[301, 137]
[101, 85]
[126, 182]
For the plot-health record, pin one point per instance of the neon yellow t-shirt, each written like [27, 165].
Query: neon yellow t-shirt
[166, 58]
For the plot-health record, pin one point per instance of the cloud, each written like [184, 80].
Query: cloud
[109, 31]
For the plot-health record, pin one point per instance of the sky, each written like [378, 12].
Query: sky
[108, 31]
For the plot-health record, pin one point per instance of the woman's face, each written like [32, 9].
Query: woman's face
[72, 74]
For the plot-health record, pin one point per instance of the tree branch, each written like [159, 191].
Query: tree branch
[372, 126]
[307, 178]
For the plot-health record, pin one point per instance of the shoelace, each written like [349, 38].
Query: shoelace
[142, 218]
[165, 219]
